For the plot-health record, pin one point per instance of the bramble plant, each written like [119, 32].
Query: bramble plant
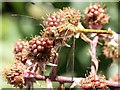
[32, 56]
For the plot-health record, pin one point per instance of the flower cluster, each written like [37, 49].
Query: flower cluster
[40, 49]
[61, 24]
[95, 15]
[93, 81]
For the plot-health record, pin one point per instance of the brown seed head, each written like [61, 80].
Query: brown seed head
[14, 76]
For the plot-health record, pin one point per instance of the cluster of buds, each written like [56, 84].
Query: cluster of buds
[93, 81]
[95, 16]
[21, 49]
[112, 46]
[40, 49]
[15, 76]
[61, 25]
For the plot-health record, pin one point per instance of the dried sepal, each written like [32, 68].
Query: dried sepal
[71, 15]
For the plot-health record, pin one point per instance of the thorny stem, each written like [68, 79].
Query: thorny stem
[93, 44]
[92, 51]
[68, 80]
[53, 72]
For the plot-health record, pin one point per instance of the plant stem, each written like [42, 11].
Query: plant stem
[93, 45]
[68, 80]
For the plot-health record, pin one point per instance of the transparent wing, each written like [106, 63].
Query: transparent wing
[70, 62]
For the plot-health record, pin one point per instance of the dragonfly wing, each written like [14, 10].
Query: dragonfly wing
[70, 62]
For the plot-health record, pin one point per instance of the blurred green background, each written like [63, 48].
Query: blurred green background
[24, 26]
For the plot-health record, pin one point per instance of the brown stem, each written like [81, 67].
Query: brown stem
[53, 72]
[58, 78]
[61, 86]
[93, 44]
[68, 80]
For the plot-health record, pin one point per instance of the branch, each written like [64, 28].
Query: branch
[53, 72]
[73, 79]
[92, 51]
[113, 84]
[58, 78]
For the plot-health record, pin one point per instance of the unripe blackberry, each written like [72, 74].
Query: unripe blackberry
[61, 24]
[54, 20]
[66, 15]
[111, 48]
[14, 76]
[95, 16]
[93, 81]
[21, 49]
[40, 48]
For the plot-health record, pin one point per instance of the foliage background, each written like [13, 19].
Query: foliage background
[22, 27]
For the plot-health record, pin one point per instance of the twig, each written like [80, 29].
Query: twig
[113, 84]
[53, 72]
[58, 78]
[93, 44]
[68, 80]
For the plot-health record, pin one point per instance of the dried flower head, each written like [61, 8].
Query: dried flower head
[95, 16]
[21, 49]
[112, 46]
[40, 49]
[93, 81]
[14, 76]
[71, 15]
